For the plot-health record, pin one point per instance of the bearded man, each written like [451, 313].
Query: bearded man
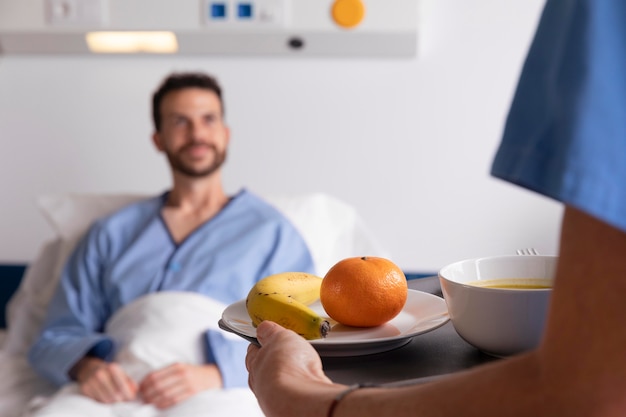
[192, 238]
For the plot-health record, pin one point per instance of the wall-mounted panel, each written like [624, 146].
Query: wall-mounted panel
[377, 28]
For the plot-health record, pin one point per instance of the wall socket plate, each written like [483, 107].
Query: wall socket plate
[76, 12]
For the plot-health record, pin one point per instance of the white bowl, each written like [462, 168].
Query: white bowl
[500, 322]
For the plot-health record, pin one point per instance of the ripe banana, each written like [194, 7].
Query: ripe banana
[284, 298]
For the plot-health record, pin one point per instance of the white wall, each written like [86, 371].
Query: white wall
[408, 142]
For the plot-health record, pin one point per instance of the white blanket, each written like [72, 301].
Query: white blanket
[154, 331]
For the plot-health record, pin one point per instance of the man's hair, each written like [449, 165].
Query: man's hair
[179, 81]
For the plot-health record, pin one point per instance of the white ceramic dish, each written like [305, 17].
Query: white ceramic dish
[422, 313]
[500, 322]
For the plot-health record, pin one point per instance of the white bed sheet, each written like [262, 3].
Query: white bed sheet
[154, 331]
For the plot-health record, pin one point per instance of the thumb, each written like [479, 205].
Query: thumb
[266, 330]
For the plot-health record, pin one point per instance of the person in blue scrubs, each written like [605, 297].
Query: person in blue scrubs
[565, 138]
[191, 238]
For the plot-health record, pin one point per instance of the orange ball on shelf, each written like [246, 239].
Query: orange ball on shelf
[348, 13]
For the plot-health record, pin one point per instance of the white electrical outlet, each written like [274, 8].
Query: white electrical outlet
[273, 12]
[76, 12]
[61, 11]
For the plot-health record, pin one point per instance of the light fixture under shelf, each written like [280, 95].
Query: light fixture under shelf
[132, 42]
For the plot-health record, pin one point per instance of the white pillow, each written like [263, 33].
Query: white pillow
[69, 215]
[331, 228]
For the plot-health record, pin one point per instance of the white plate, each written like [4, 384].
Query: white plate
[422, 313]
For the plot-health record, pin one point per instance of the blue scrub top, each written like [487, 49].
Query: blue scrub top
[565, 136]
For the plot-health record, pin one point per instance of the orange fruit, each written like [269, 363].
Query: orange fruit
[364, 291]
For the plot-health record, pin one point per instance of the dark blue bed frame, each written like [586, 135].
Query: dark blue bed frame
[11, 275]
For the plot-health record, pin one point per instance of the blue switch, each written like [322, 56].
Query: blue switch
[244, 10]
[218, 10]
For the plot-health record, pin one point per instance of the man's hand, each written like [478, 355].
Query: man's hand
[104, 382]
[175, 383]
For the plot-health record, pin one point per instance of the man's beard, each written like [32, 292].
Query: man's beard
[178, 164]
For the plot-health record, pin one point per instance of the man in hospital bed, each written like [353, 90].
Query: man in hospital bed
[187, 253]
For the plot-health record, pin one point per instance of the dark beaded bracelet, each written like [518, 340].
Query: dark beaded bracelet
[342, 395]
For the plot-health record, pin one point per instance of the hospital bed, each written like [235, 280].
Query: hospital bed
[332, 229]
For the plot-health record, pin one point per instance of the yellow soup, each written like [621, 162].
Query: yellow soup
[514, 283]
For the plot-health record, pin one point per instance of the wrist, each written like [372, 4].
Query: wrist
[338, 399]
[83, 367]
[212, 376]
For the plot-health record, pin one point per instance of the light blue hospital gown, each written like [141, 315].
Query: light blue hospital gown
[565, 136]
[131, 253]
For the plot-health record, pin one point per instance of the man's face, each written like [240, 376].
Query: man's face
[193, 134]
